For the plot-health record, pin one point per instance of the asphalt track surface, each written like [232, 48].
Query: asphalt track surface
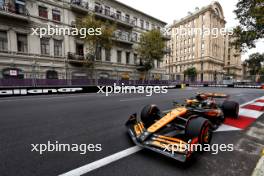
[97, 119]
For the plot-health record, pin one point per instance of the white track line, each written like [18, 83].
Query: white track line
[102, 162]
[224, 127]
[112, 158]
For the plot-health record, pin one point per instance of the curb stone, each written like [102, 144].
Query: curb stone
[259, 170]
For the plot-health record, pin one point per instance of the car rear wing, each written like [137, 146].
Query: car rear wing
[214, 95]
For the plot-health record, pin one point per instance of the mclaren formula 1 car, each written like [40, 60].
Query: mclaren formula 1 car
[206, 105]
[172, 133]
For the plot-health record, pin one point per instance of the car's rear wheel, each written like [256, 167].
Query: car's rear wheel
[200, 128]
[230, 109]
[149, 114]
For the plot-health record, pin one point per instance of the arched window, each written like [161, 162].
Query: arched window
[52, 74]
[217, 11]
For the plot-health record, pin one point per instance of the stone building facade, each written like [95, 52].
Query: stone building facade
[199, 48]
[23, 55]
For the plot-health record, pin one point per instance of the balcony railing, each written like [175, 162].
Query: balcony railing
[123, 37]
[102, 12]
[113, 16]
[11, 10]
[75, 57]
[80, 5]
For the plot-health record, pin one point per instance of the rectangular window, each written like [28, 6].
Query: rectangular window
[127, 18]
[142, 24]
[99, 53]
[79, 49]
[127, 57]
[56, 16]
[147, 25]
[43, 12]
[22, 44]
[98, 7]
[107, 11]
[108, 55]
[45, 46]
[135, 58]
[57, 48]
[3, 41]
[135, 21]
[118, 15]
[158, 64]
[119, 56]
[135, 37]
[20, 6]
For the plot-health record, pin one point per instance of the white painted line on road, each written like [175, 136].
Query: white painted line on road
[134, 99]
[224, 127]
[102, 162]
[250, 113]
[239, 95]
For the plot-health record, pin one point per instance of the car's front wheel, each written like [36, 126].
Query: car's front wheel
[200, 128]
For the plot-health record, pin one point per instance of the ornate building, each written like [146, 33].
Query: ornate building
[203, 46]
[23, 55]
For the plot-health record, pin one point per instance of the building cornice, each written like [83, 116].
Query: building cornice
[195, 14]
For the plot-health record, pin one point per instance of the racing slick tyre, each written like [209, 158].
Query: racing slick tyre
[201, 128]
[149, 114]
[230, 109]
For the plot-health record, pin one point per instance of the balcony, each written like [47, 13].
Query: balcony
[108, 15]
[79, 6]
[12, 11]
[123, 37]
[75, 59]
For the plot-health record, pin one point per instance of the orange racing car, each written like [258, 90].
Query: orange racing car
[182, 126]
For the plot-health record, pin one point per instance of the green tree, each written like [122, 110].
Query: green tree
[191, 73]
[151, 47]
[94, 42]
[250, 14]
[254, 63]
[261, 75]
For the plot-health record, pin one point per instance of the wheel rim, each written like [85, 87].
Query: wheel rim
[206, 135]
